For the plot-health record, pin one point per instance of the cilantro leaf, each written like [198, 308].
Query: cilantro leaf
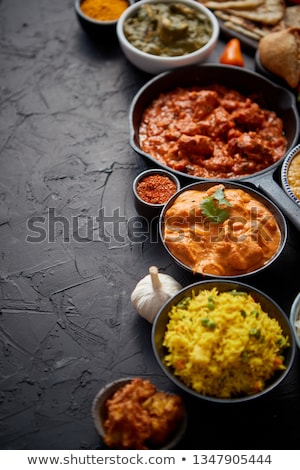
[210, 207]
[220, 197]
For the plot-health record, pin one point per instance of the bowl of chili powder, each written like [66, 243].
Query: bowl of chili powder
[152, 189]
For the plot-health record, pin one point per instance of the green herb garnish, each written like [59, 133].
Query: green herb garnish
[212, 209]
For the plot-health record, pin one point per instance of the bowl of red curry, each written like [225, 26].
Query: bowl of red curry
[214, 121]
[151, 190]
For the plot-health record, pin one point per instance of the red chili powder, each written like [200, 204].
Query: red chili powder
[156, 189]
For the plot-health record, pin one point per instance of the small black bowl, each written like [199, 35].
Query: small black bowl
[146, 209]
[99, 412]
[95, 28]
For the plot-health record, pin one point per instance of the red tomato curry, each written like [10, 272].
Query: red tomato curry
[212, 132]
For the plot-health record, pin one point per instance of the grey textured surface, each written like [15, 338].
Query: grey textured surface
[67, 326]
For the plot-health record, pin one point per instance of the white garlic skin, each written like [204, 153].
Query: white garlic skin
[152, 292]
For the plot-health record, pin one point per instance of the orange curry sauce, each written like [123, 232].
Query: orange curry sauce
[244, 242]
[211, 132]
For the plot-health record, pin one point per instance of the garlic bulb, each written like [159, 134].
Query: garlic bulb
[152, 292]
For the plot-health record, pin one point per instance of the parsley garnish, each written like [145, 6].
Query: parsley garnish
[211, 207]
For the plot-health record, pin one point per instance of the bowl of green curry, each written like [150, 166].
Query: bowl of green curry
[160, 35]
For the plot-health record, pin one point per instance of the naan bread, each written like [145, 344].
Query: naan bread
[270, 12]
[249, 28]
[292, 16]
[255, 18]
[242, 30]
[236, 4]
[279, 52]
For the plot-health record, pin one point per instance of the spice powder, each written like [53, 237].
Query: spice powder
[156, 189]
[104, 10]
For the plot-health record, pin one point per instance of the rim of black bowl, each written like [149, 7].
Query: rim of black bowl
[192, 75]
[77, 4]
[278, 215]
[294, 316]
[154, 171]
[284, 173]
[261, 297]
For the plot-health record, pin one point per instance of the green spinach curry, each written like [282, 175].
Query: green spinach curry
[168, 29]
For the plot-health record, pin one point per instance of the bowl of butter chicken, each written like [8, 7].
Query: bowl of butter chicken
[222, 229]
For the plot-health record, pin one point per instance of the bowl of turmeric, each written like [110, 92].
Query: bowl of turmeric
[100, 17]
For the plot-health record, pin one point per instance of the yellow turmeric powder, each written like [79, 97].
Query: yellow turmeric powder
[104, 10]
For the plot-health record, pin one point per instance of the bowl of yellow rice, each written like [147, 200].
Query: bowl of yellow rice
[223, 341]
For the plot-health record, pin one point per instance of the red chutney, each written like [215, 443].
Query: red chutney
[156, 189]
[212, 132]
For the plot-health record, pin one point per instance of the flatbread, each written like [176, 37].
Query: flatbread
[240, 29]
[292, 16]
[235, 4]
[270, 12]
[249, 28]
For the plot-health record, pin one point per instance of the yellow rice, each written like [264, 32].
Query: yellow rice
[223, 344]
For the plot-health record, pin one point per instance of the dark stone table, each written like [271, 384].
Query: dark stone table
[67, 326]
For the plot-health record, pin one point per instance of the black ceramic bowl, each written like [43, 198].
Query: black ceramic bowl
[95, 28]
[268, 305]
[277, 98]
[205, 185]
[99, 412]
[267, 73]
[147, 209]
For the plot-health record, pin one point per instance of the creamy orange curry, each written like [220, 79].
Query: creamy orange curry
[223, 232]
